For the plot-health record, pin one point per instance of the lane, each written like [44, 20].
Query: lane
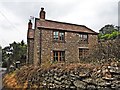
[2, 72]
[1, 80]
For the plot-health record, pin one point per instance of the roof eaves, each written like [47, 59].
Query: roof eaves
[65, 30]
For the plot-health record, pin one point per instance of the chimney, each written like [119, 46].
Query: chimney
[42, 13]
[29, 25]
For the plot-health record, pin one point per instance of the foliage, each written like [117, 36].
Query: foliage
[14, 52]
[108, 32]
[111, 36]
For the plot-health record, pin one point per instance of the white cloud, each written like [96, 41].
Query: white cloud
[92, 13]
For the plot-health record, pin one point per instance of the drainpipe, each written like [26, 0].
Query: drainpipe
[40, 44]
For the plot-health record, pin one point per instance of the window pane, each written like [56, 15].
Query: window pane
[61, 35]
[58, 56]
[83, 37]
[83, 52]
[80, 52]
[62, 56]
[55, 56]
[55, 35]
[80, 36]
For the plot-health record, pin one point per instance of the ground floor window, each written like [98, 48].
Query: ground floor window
[59, 55]
[83, 52]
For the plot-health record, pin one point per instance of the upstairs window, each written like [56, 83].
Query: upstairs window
[62, 36]
[58, 36]
[59, 55]
[84, 38]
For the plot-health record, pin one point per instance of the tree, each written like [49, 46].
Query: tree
[14, 52]
[108, 32]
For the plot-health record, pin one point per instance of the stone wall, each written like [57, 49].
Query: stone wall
[30, 51]
[70, 46]
[93, 40]
[36, 54]
[72, 77]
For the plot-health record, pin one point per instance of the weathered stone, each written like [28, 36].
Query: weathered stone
[73, 78]
[104, 84]
[43, 75]
[64, 76]
[51, 80]
[63, 85]
[108, 79]
[91, 87]
[115, 71]
[46, 78]
[66, 82]
[72, 87]
[44, 83]
[83, 75]
[67, 86]
[57, 86]
[51, 85]
[57, 82]
[88, 80]
[116, 81]
[72, 75]
[107, 88]
[80, 84]
[99, 71]
[100, 81]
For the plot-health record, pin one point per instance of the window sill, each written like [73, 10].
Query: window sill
[58, 41]
[83, 43]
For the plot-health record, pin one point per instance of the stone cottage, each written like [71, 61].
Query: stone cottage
[53, 41]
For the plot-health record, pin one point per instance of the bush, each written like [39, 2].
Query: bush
[105, 51]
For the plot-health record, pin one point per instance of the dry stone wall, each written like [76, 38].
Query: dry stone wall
[76, 77]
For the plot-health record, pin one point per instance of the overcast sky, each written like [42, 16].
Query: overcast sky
[15, 14]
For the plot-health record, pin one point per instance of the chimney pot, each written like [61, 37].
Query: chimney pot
[42, 13]
[42, 9]
[30, 25]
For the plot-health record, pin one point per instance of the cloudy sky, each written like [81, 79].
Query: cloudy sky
[15, 14]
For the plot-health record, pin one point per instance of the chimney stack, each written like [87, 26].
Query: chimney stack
[29, 25]
[42, 13]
